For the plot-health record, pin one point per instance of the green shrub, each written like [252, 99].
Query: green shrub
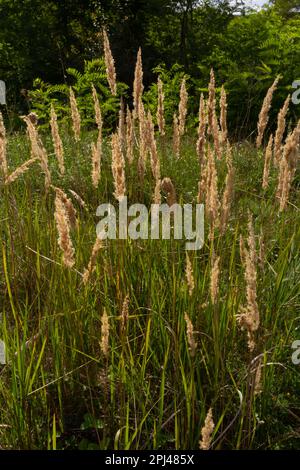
[44, 94]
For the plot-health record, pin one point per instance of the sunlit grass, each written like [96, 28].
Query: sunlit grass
[58, 390]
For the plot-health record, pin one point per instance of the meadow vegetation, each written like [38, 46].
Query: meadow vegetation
[124, 344]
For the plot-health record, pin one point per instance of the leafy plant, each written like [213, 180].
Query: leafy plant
[44, 94]
[171, 79]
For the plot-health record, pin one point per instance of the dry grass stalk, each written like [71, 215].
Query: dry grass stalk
[143, 141]
[207, 431]
[57, 142]
[262, 249]
[205, 111]
[249, 316]
[121, 126]
[20, 170]
[213, 126]
[229, 157]
[227, 198]
[189, 274]
[3, 160]
[104, 344]
[160, 107]
[97, 148]
[283, 187]
[78, 198]
[201, 187]
[34, 138]
[251, 239]
[167, 185]
[63, 228]
[157, 193]
[202, 184]
[33, 117]
[129, 137]
[38, 149]
[92, 262]
[96, 162]
[138, 86]
[216, 136]
[70, 209]
[284, 184]
[258, 378]
[118, 168]
[223, 116]
[125, 313]
[242, 250]
[200, 147]
[268, 158]
[264, 113]
[98, 114]
[176, 136]
[44, 166]
[212, 196]
[182, 110]
[211, 104]
[190, 335]
[155, 163]
[144, 129]
[291, 149]
[281, 124]
[76, 120]
[214, 280]
[287, 167]
[109, 64]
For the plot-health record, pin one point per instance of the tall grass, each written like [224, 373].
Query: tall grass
[135, 344]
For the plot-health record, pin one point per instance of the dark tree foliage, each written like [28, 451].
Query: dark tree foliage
[43, 38]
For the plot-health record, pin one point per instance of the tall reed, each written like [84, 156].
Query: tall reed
[118, 167]
[176, 136]
[129, 137]
[281, 124]
[63, 229]
[3, 160]
[268, 159]
[249, 318]
[182, 110]
[200, 146]
[57, 142]
[223, 116]
[75, 115]
[287, 167]
[160, 107]
[20, 170]
[110, 64]
[37, 149]
[264, 113]
[207, 431]
[138, 86]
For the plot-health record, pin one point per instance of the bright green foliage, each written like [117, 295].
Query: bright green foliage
[94, 74]
[247, 53]
[171, 79]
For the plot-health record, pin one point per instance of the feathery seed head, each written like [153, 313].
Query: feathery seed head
[207, 431]
[76, 121]
[110, 64]
[190, 335]
[264, 113]
[63, 228]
